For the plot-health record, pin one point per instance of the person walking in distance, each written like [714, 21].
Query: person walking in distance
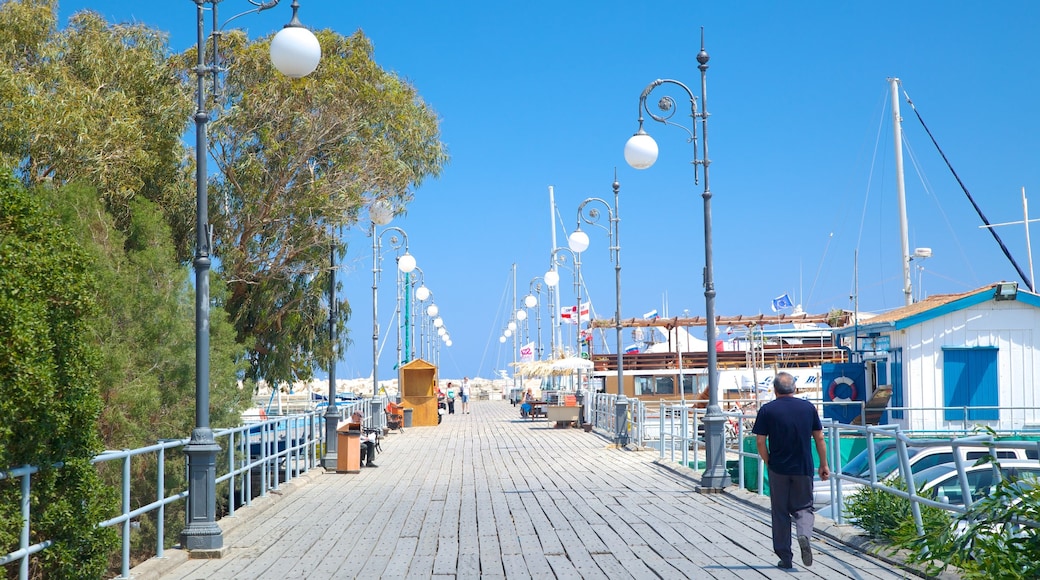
[464, 394]
[783, 430]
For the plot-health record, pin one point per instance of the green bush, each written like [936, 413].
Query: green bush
[48, 394]
[988, 542]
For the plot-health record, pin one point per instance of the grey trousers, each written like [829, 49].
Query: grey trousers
[790, 497]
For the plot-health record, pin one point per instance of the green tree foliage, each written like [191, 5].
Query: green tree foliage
[95, 103]
[48, 389]
[145, 333]
[297, 159]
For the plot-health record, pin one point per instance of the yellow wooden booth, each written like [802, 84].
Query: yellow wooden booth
[418, 383]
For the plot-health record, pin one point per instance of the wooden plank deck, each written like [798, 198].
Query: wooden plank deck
[491, 495]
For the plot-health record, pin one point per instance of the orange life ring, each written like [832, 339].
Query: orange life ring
[842, 381]
[263, 414]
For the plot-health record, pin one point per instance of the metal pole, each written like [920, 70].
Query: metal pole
[715, 475]
[904, 243]
[407, 321]
[375, 310]
[644, 153]
[331, 411]
[622, 401]
[201, 531]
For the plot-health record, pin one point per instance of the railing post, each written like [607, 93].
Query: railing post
[126, 510]
[160, 495]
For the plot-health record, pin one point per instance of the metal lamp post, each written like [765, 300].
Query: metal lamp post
[641, 153]
[396, 243]
[331, 410]
[295, 52]
[422, 294]
[531, 301]
[406, 264]
[552, 280]
[579, 240]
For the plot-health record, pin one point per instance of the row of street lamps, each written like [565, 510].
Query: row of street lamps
[295, 52]
[641, 153]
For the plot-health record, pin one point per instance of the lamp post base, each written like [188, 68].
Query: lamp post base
[621, 421]
[715, 475]
[202, 531]
[332, 417]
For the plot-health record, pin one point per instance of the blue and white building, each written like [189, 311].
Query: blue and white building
[950, 362]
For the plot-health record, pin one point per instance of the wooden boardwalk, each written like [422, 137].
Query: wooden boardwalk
[490, 495]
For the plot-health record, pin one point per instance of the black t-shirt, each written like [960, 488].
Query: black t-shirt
[788, 423]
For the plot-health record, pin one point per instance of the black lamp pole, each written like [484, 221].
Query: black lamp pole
[641, 152]
[297, 55]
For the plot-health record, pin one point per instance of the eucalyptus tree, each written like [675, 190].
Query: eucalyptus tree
[95, 103]
[297, 159]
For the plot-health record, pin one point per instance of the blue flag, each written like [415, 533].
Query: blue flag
[781, 302]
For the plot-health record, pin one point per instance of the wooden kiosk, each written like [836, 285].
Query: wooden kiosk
[418, 383]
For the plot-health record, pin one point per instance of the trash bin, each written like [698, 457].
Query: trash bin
[348, 451]
[407, 417]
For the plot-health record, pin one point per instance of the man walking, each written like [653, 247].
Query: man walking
[783, 430]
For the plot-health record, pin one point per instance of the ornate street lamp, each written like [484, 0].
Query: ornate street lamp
[641, 153]
[579, 241]
[397, 244]
[552, 280]
[531, 301]
[295, 52]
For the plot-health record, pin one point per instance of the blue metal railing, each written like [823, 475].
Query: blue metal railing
[276, 450]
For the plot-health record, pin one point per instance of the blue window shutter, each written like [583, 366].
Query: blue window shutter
[898, 398]
[970, 380]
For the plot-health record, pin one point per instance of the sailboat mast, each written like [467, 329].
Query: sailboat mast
[554, 290]
[897, 132]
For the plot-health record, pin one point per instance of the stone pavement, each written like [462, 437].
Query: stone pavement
[491, 495]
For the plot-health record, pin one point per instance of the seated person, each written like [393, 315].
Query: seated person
[368, 441]
[526, 407]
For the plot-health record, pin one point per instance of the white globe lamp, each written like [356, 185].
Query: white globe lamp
[641, 150]
[406, 263]
[295, 51]
[552, 278]
[380, 213]
[578, 241]
[530, 301]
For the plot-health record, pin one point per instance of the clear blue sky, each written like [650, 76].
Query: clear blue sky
[540, 94]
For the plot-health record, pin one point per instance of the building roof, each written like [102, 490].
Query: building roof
[932, 307]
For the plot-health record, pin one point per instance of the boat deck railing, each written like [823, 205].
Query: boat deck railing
[785, 357]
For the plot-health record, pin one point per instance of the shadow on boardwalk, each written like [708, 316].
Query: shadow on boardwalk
[489, 495]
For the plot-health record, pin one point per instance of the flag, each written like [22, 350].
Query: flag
[585, 335]
[527, 352]
[632, 349]
[585, 308]
[650, 315]
[567, 314]
[782, 302]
